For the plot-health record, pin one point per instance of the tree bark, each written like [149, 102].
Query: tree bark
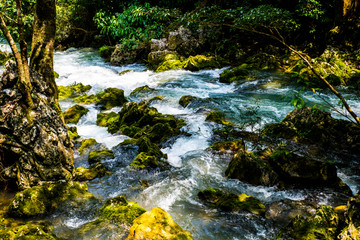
[351, 9]
[42, 49]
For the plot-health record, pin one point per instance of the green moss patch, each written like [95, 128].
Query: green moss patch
[73, 114]
[233, 146]
[94, 171]
[112, 97]
[33, 230]
[97, 156]
[234, 75]
[217, 117]
[72, 91]
[186, 100]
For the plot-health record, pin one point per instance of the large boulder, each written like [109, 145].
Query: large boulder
[73, 114]
[121, 55]
[157, 224]
[317, 127]
[39, 230]
[35, 146]
[183, 42]
[112, 97]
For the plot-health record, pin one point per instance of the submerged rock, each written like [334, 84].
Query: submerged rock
[216, 198]
[322, 225]
[157, 224]
[141, 90]
[317, 127]
[73, 114]
[45, 198]
[235, 74]
[186, 100]
[35, 146]
[217, 117]
[38, 230]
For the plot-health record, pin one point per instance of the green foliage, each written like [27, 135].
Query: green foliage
[136, 24]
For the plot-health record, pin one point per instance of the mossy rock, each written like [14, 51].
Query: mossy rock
[72, 91]
[141, 90]
[73, 114]
[322, 225]
[112, 97]
[314, 126]
[44, 198]
[157, 224]
[249, 168]
[106, 51]
[199, 62]
[156, 98]
[233, 146]
[97, 156]
[119, 210]
[170, 65]
[33, 230]
[106, 119]
[72, 132]
[87, 99]
[88, 145]
[143, 160]
[94, 171]
[125, 72]
[231, 202]
[217, 117]
[235, 74]
[186, 100]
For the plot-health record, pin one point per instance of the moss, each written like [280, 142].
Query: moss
[119, 210]
[231, 202]
[106, 51]
[112, 97]
[73, 134]
[156, 98]
[170, 65]
[157, 224]
[125, 72]
[234, 74]
[4, 57]
[322, 225]
[233, 146]
[143, 160]
[94, 171]
[97, 156]
[141, 90]
[56, 75]
[33, 230]
[186, 100]
[86, 143]
[72, 91]
[87, 99]
[106, 119]
[217, 117]
[44, 198]
[199, 62]
[73, 114]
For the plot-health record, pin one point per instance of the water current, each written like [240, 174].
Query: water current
[194, 167]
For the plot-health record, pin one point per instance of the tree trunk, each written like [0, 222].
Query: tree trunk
[351, 9]
[42, 49]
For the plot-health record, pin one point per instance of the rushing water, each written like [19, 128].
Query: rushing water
[194, 168]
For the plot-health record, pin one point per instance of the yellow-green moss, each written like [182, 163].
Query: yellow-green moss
[141, 90]
[143, 160]
[233, 146]
[73, 134]
[87, 99]
[97, 156]
[106, 119]
[119, 210]
[72, 91]
[94, 171]
[73, 114]
[199, 62]
[33, 230]
[86, 143]
[217, 117]
[170, 65]
[234, 74]
[112, 97]
[157, 224]
[186, 100]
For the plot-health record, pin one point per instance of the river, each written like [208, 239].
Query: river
[195, 168]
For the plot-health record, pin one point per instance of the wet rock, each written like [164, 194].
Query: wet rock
[248, 167]
[47, 197]
[216, 198]
[235, 74]
[322, 225]
[39, 230]
[155, 58]
[141, 90]
[72, 132]
[107, 119]
[106, 52]
[119, 210]
[217, 117]
[283, 211]
[96, 170]
[233, 146]
[143, 160]
[122, 56]
[112, 97]
[35, 146]
[352, 219]
[97, 156]
[170, 64]
[73, 114]
[318, 128]
[200, 62]
[156, 224]
[72, 91]
[156, 98]
[159, 44]
[125, 72]
[88, 145]
[186, 100]
[183, 42]
[87, 99]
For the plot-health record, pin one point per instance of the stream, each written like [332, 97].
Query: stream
[194, 167]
